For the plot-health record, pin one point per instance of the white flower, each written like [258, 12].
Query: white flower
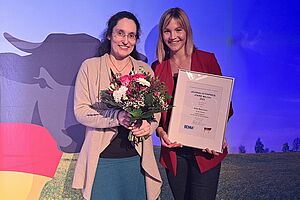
[143, 81]
[118, 94]
[141, 103]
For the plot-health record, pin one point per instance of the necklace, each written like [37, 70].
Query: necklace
[176, 64]
[185, 64]
[119, 72]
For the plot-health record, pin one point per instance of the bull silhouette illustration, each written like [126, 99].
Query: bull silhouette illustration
[38, 88]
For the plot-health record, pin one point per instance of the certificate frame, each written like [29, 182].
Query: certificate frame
[201, 108]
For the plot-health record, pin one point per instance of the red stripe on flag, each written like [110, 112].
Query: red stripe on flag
[28, 148]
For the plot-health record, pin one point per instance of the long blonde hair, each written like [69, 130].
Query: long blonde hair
[162, 51]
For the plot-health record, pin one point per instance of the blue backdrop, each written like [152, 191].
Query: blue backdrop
[256, 41]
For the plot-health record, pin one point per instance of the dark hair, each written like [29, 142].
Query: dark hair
[105, 45]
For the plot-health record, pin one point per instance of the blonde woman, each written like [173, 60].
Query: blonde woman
[192, 173]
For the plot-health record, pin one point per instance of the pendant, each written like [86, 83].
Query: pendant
[118, 75]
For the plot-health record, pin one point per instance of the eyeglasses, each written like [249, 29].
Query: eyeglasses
[120, 34]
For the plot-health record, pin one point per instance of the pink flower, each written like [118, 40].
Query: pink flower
[137, 76]
[125, 80]
[157, 94]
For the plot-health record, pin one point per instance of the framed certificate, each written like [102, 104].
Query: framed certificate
[201, 107]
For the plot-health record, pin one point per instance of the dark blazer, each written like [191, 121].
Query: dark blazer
[201, 62]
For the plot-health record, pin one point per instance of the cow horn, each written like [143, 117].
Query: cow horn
[21, 44]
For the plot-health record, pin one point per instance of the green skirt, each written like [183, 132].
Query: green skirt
[119, 179]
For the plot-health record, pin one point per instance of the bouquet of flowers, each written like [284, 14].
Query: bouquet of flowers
[139, 94]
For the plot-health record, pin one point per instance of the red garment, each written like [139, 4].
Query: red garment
[201, 62]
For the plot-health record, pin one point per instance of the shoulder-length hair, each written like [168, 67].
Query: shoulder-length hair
[162, 50]
[105, 46]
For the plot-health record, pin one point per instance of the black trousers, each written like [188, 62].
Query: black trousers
[189, 183]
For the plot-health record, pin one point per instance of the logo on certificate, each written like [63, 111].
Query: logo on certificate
[207, 129]
[188, 126]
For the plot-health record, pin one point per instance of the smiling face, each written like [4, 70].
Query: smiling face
[123, 38]
[174, 36]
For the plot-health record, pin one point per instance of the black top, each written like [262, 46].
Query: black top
[120, 146]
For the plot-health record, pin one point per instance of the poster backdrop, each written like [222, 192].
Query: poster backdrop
[42, 44]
